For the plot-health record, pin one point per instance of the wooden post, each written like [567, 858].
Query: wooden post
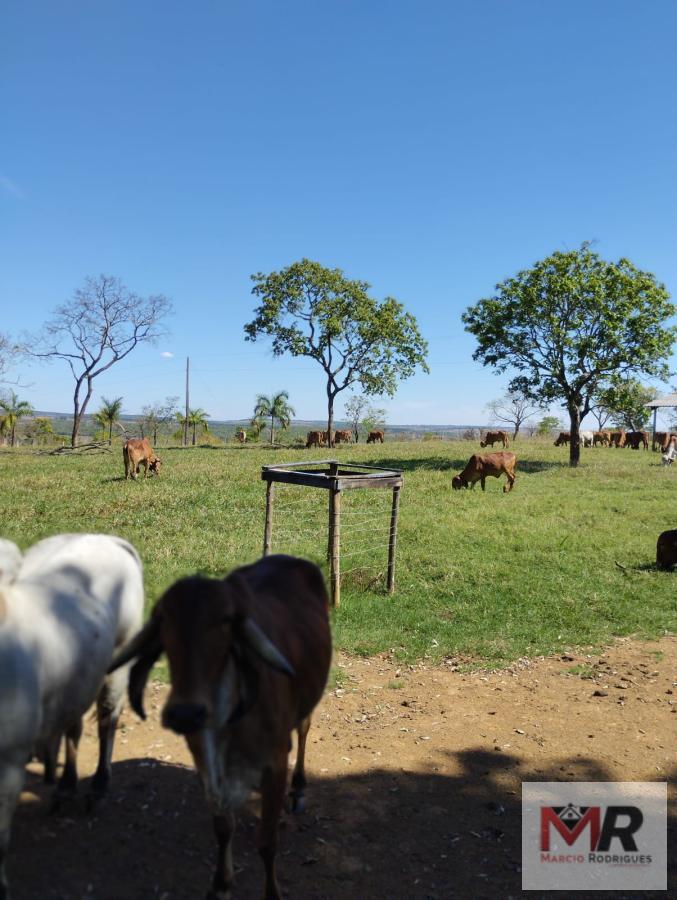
[268, 531]
[653, 432]
[334, 537]
[392, 542]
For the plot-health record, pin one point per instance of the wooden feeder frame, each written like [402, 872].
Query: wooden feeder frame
[334, 477]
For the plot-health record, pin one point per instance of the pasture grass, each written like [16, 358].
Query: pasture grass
[565, 560]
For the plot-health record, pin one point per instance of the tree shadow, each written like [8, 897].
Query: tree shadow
[443, 464]
[453, 829]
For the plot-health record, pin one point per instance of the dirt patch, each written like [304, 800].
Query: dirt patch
[415, 775]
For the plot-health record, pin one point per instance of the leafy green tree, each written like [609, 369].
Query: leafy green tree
[156, 415]
[626, 400]
[99, 327]
[108, 415]
[373, 418]
[275, 408]
[12, 410]
[197, 418]
[309, 310]
[39, 430]
[547, 424]
[513, 409]
[354, 409]
[569, 324]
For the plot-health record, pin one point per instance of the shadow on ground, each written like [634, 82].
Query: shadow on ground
[383, 835]
[442, 464]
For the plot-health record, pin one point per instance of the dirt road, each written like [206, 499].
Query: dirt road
[415, 776]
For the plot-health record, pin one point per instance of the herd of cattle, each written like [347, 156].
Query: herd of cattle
[341, 436]
[248, 655]
[662, 440]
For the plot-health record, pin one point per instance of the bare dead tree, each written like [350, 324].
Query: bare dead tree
[99, 327]
[514, 409]
[156, 415]
[602, 414]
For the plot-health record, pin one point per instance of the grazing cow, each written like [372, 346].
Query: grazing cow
[137, 452]
[666, 549]
[74, 600]
[493, 437]
[634, 438]
[315, 439]
[669, 439]
[659, 440]
[241, 436]
[480, 467]
[617, 438]
[587, 438]
[375, 437]
[248, 659]
[563, 439]
[343, 436]
[601, 437]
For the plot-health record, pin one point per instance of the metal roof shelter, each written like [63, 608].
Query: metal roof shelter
[660, 403]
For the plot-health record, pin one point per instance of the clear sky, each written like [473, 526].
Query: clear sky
[429, 148]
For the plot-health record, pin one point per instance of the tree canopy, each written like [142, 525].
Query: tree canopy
[309, 310]
[571, 323]
[11, 410]
[275, 407]
[512, 409]
[625, 399]
[99, 327]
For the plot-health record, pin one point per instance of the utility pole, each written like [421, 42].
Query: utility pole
[185, 424]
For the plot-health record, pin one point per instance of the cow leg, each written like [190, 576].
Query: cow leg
[483, 482]
[108, 708]
[68, 783]
[273, 786]
[50, 751]
[298, 779]
[11, 782]
[224, 825]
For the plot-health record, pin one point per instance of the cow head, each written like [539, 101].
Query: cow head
[154, 464]
[458, 482]
[483, 443]
[213, 648]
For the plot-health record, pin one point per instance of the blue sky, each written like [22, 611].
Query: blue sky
[431, 149]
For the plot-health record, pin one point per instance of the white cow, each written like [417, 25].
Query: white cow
[74, 600]
[587, 438]
[669, 455]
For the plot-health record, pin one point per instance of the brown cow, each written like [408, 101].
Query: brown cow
[343, 436]
[138, 451]
[563, 439]
[617, 439]
[481, 466]
[375, 437]
[634, 438]
[315, 439]
[601, 437]
[493, 437]
[665, 439]
[248, 660]
[241, 436]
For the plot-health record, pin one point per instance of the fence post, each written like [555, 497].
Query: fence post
[334, 547]
[268, 531]
[392, 541]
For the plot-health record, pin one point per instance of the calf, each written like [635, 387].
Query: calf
[137, 452]
[248, 660]
[343, 436]
[563, 439]
[73, 601]
[493, 437]
[375, 437]
[479, 467]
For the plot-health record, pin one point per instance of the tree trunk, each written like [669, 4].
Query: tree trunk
[194, 435]
[516, 432]
[272, 430]
[155, 436]
[79, 411]
[110, 434]
[13, 436]
[575, 442]
[330, 417]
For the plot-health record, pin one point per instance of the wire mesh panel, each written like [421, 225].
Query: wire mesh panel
[357, 527]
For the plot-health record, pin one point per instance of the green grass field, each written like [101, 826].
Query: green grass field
[483, 577]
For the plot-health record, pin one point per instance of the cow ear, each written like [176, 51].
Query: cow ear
[146, 647]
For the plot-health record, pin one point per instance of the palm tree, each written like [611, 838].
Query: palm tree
[275, 407]
[13, 409]
[197, 418]
[108, 415]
